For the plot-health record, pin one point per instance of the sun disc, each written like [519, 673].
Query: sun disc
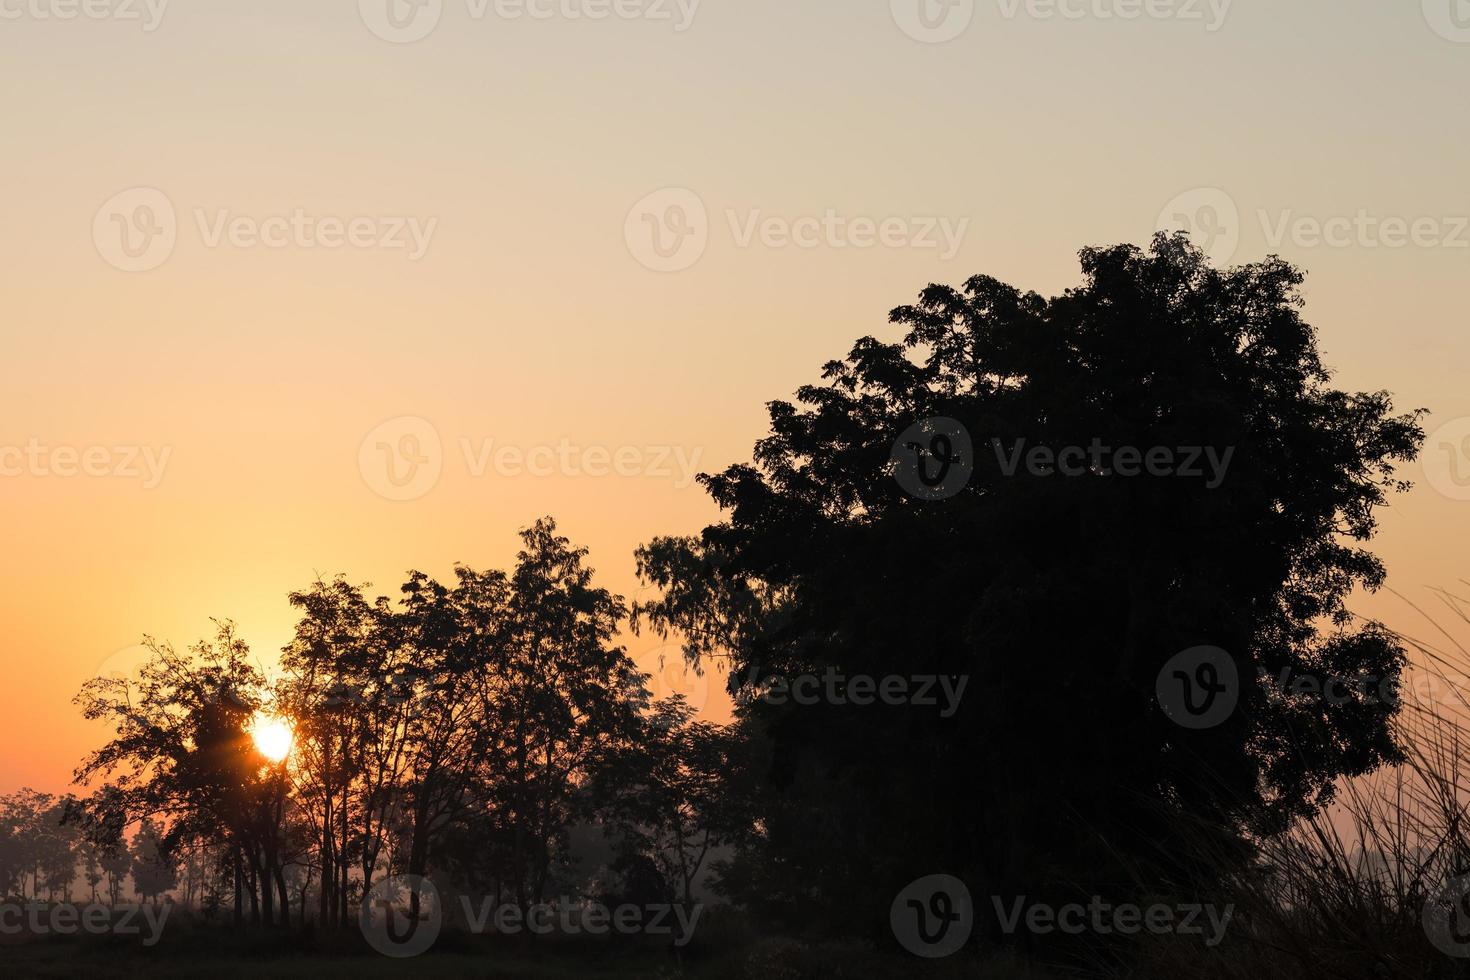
[272, 736]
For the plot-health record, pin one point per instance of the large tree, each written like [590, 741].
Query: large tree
[1059, 596]
[561, 699]
[183, 757]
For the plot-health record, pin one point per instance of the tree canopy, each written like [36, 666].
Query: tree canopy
[1059, 591]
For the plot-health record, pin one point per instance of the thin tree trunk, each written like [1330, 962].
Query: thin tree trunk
[239, 891]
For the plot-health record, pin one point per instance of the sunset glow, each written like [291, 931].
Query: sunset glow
[663, 488]
[272, 736]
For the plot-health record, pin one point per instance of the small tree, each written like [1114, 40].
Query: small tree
[91, 867]
[115, 861]
[155, 870]
[665, 795]
[56, 842]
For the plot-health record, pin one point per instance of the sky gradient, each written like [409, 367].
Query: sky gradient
[801, 163]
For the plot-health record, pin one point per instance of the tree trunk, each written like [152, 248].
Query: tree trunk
[239, 891]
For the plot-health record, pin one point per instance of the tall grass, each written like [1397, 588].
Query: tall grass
[1357, 890]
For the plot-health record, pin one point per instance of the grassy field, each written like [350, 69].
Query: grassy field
[223, 956]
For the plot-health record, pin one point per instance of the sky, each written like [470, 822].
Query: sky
[298, 289]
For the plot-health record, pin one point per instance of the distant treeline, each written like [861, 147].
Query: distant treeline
[461, 731]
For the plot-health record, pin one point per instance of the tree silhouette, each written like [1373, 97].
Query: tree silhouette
[182, 756]
[154, 868]
[563, 697]
[666, 797]
[1060, 594]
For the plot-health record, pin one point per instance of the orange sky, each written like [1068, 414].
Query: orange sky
[813, 153]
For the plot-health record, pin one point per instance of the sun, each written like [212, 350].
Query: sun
[272, 736]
